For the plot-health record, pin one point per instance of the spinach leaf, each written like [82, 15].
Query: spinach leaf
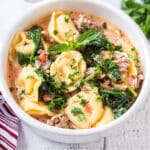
[35, 34]
[110, 69]
[119, 112]
[93, 75]
[58, 89]
[139, 12]
[117, 99]
[23, 59]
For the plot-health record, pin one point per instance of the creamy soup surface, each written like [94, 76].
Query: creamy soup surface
[73, 70]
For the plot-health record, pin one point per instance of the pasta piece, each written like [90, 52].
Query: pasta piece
[69, 67]
[45, 44]
[22, 44]
[90, 113]
[61, 27]
[30, 82]
[36, 109]
[107, 117]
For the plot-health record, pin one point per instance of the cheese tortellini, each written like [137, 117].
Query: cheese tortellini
[22, 44]
[92, 115]
[107, 117]
[30, 82]
[69, 67]
[35, 109]
[61, 27]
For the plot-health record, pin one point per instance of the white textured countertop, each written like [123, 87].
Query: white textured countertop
[133, 135]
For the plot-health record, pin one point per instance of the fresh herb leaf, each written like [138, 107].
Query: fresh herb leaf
[85, 38]
[139, 12]
[61, 48]
[146, 1]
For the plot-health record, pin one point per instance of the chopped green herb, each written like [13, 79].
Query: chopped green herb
[22, 92]
[132, 57]
[83, 102]
[133, 49]
[73, 61]
[92, 84]
[73, 66]
[76, 111]
[29, 77]
[99, 98]
[72, 76]
[110, 69]
[66, 19]
[57, 103]
[55, 32]
[79, 84]
[81, 117]
[79, 96]
[104, 25]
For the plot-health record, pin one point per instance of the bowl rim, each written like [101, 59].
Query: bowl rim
[37, 124]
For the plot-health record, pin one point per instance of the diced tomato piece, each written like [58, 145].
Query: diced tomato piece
[88, 108]
[43, 57]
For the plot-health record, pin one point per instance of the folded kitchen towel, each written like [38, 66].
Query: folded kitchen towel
[9, 124]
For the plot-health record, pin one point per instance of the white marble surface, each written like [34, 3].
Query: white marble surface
[132, 135]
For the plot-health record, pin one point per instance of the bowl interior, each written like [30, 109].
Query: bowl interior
[98, 9]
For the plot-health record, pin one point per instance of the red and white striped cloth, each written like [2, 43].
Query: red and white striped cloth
[9, 125]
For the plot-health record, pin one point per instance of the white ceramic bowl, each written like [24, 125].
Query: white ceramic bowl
[100, 9]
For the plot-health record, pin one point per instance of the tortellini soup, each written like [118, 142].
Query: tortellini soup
[73, 70]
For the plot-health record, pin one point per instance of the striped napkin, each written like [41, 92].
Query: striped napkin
[9, 124]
